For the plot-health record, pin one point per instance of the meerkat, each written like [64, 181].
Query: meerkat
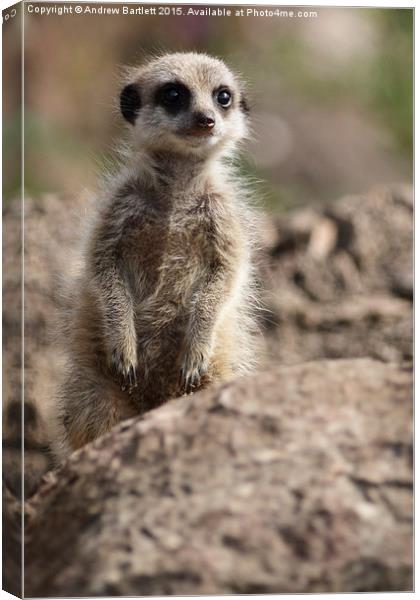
[164, 305]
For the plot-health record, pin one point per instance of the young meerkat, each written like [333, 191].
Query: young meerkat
[164, 305]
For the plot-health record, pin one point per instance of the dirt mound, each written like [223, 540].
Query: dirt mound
[295, 480]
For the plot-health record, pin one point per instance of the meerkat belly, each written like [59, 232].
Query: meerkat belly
[189, 254]
[176, 273]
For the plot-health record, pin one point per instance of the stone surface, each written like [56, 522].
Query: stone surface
[295, 480]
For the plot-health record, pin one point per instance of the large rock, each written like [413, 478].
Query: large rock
[296, 480]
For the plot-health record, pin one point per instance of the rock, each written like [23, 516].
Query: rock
[338, 280]
[295, 480]
[51, 239]
[11, 543]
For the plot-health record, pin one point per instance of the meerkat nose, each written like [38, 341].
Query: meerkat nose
[206, 121]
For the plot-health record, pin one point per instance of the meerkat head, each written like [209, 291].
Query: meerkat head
[186, 104]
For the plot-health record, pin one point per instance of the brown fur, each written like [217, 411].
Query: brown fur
[163, 305]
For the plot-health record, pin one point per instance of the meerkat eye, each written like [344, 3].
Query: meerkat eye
[173, 96]
[224, 98]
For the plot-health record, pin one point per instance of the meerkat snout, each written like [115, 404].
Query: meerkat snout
[204, 121]
[185, 103]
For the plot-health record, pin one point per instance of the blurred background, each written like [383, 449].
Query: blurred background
[331, 96]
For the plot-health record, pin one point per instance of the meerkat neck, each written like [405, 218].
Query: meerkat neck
[176, 167]
[163, 170]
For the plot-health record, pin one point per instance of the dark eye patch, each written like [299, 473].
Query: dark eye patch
[130, 102]
[173, 96]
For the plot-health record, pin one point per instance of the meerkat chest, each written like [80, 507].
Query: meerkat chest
[200, 228]
[176, 248]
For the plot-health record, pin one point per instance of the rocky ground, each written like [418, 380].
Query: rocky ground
[338, 281]
[297, 479]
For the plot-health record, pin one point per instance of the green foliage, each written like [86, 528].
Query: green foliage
[380, 83]
[392, 75]
[12, 132]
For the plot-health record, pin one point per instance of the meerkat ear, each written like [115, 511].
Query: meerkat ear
[130, 102]
[243, 103]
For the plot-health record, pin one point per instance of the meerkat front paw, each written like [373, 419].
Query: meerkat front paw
[123, 362]
[193, 367]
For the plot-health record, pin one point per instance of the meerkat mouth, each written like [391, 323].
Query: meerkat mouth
[196, 132]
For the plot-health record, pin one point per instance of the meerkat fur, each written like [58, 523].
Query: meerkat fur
[165, 302]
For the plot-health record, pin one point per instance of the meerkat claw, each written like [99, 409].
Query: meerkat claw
[125, 374]
[132, 378]
[190, 374]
